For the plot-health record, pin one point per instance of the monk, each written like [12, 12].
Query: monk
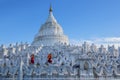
[32, 59]
[49, 58]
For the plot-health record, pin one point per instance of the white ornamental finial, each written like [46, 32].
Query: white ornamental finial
[28, 57]
[20, 70]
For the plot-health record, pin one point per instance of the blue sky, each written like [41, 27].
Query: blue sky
[20, 20]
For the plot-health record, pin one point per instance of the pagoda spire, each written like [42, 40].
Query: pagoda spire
[51, 17]
[50, 10]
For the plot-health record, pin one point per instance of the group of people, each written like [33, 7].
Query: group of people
[49, 57]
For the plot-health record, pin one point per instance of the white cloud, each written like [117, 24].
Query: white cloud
[108, 40]
[98, 41]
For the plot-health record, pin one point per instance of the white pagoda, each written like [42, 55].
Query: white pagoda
[50, 33]
[51, 57]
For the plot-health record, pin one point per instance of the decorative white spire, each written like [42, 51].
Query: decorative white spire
[28, 57]
[20, 70]
[51, 17]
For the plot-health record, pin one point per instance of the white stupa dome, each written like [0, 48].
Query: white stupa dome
[50, 33]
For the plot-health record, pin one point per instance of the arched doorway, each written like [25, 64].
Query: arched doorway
[86, 66]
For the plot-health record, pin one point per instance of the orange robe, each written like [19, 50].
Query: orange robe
[49, 58]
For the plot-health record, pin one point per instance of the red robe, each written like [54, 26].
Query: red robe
[50, 60]
[32, 59]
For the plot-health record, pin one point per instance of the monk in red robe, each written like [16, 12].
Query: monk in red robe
[49, 58]
[32, 59]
